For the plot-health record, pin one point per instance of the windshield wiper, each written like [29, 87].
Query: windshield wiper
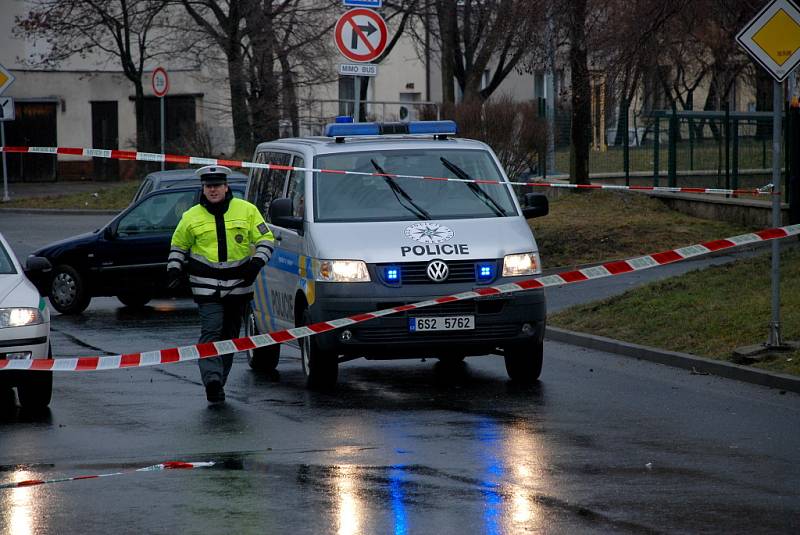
[473, 187]
[398, 192]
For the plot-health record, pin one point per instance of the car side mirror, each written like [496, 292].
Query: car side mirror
[37, 263]
[110, 232]
[281, 215]
[535, 205]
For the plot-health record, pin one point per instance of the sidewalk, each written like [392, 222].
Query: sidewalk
[24, 190]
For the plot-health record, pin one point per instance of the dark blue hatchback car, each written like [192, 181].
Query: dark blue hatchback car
[126, 258]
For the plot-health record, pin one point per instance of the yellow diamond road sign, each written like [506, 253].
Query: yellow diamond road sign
[6, 79]
[773, 38]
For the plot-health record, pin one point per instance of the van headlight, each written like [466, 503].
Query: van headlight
[343, 271]
[20, 317]
[516, 265]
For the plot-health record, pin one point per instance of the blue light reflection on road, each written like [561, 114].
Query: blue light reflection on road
[396, 481]
[490, 436]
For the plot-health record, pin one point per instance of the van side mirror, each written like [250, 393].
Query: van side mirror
[535, 205]
[281, 214]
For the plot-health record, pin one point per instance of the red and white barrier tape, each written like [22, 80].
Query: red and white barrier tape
[169, 465]
[213, 349]
[193, 160]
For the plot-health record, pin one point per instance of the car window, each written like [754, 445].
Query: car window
[296, 190]
[144, 189]
[339, 197]
[6, 265]
[267, 184]
[156, 214]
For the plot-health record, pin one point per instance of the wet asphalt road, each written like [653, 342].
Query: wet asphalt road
[602, 443]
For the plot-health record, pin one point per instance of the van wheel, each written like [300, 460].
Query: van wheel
[524, 362]
[262, 359]
[133, 300]
[68, 292]
[321, 368]
[36, 388]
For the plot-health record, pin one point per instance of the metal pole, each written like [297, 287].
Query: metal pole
[5, 172]
[777, 109]
[357, 110]
[163, 163]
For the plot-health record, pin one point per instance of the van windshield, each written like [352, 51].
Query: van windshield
[343, 198]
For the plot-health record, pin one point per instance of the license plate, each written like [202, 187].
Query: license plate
[441, 323]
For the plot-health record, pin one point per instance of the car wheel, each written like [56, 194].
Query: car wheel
[36, 388]
[134, 301]
[321, 368]
[524, 362]
[68, 292]
[262, 359]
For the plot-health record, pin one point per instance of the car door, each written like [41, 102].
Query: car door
[132, 257]
[273, 297]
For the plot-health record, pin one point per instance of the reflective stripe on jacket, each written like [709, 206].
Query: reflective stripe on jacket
[216, 261]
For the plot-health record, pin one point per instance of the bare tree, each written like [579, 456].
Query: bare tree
[223, 23]
[117, 28]
[476, 36]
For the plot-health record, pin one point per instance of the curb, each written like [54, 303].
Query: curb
[676, 359]
[59, 211]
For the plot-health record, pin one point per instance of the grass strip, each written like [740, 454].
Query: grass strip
[708, 313]
[113, 197]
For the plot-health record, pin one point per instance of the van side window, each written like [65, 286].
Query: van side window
[256, 176]
[297, 188]
[271, 182]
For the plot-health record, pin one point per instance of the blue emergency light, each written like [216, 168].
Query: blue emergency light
[343, 119]
[436, 128]
[485, 272]
[392, 274]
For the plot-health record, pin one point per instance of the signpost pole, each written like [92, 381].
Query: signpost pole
[5, 172]
[357, 110]
[162, 132]
[777, 109]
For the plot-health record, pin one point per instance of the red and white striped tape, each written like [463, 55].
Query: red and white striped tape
[213, 349]
[193, 160]
[169, 465]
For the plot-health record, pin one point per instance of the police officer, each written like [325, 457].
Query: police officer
[212, 243]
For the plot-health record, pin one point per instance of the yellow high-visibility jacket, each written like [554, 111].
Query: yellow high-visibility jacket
[216, 249]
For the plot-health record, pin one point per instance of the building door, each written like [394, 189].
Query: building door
[34, 126]
[105, 135]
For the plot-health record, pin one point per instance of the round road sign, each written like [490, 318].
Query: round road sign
[360, 35]
[160, 82]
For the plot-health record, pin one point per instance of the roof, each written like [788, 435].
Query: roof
[328, 145]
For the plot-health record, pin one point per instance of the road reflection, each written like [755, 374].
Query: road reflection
[18, 507]
[348, 508]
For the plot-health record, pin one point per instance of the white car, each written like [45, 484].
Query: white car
[24, 330]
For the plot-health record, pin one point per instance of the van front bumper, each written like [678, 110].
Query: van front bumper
[500, 321]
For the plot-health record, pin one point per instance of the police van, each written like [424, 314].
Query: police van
[348, 243]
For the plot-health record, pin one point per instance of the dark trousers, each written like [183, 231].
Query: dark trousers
[219, 321]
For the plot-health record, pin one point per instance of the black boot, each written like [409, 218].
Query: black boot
[214, 392]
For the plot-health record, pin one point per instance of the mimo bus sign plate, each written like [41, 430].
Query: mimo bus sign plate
[773, 38]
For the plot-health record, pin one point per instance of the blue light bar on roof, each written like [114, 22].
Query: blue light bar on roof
[352, 129]
[432, 127]
[377, 129]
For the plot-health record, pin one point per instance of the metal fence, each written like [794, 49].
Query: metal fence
[685, 148]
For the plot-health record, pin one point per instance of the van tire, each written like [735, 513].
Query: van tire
[321, 368]
[262, 359]
[68, 292]
[524, 362]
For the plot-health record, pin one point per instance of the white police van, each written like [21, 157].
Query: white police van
[349, 243]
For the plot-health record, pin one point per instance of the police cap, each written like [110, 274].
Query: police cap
[213, 174]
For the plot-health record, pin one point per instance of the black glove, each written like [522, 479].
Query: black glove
[251, 270]
[173, 278]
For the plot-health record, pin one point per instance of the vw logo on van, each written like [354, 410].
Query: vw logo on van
[429, 232]
[437, 271]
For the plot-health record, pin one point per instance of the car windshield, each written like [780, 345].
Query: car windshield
[6, 265]
[340, 198]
